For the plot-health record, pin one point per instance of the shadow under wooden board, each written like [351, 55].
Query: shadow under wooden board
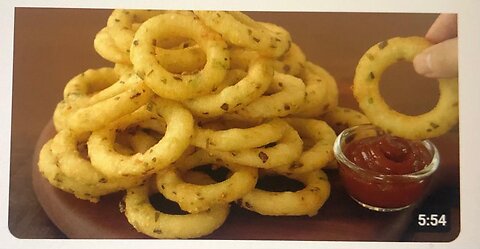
[340, 219]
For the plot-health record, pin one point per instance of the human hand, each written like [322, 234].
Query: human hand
[441, 59]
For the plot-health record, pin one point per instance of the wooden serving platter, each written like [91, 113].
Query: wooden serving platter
[339, 219]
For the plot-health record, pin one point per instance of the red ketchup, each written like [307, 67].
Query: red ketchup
[385, 159]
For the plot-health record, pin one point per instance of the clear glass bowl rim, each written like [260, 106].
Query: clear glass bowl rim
[415, 176]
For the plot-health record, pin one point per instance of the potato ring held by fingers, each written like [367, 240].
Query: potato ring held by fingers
[240, 30]
[195, 198]
[238, 138]
[341, 118]
[288, 95]
[236, 96]
[306, 201]
[146, 219]
[284, 152]
[167, 84]
[368, 74]
[322, 92]
[167, 150]
[317, 156]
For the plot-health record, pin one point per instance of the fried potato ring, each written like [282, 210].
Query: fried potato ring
[99, 114]
[79, 169]
[122, 25]
[238, 138]
[341, 118]
[332, 97]
[146, 219]
[181, 59]
[288, 95]
[195, 198]
[292, 62]
[70, 161]
[366, 90]
[240, 30]
[197, 177]
[81, 111]
[303, 202]
[175, 140]
[135, 139]
[241, 58]
[235, 96]
[91, 81]
[113, 42]
[320, 154]
[321, 89]
[284, 152]
[173, 86]
[105, 46]
[77, 91]
[123, 69]
[49, 166]
[141, 141]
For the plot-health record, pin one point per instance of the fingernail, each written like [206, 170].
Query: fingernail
[423, 63]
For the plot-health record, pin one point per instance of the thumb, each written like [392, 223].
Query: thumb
[439, 60]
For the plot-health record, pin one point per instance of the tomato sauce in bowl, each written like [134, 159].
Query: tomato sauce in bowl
[383, 172]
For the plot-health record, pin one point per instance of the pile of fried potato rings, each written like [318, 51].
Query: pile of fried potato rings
[193, 88]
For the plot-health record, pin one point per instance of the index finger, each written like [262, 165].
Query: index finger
[444, 28]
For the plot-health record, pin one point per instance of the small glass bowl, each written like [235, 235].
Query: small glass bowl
[377, 191]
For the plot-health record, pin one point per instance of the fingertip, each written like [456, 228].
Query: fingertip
[422, 64]
[438, 61]
[443, 28]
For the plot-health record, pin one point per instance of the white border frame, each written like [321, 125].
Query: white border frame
[469, 59]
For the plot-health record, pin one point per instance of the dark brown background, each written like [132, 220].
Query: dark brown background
[53, 45]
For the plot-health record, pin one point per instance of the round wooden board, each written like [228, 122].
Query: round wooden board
[340, 218]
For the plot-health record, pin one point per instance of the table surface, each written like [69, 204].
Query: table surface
[53, 45]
